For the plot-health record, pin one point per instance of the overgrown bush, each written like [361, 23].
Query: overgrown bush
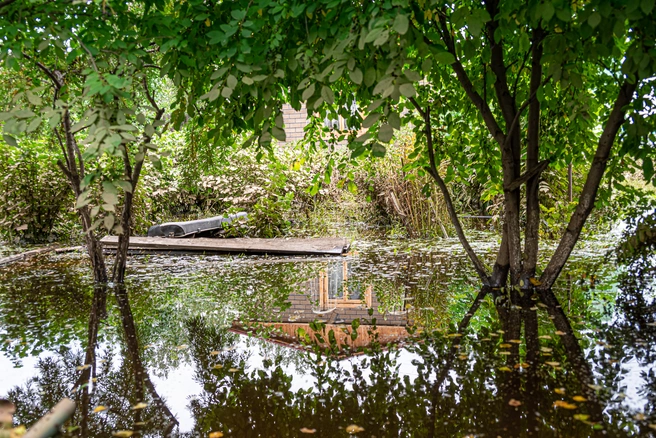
[34, 196]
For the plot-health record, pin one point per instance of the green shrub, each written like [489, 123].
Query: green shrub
[34, 195]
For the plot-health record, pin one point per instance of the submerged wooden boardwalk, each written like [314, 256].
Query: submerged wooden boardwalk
[323, 246]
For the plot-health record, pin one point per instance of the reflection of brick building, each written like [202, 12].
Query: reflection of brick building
[336, 300]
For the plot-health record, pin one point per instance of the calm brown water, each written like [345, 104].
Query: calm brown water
[393, 340]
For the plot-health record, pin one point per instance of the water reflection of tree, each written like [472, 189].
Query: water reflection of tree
[464, 385]
[92, 379]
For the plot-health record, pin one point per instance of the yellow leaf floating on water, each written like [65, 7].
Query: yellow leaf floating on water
[99, 409]
[306, 430]
[182, 347]
[595, 387]
[505, 345]
[214, 353]
[217, 366]
[515, 341]
[546, 349]
[560, 391]
[581, 417]
[505, 369]
[215, 434]
[354, 428]
[553, 364]
[579, 398]
[505, 353]
[463, 357]
[653, 426]
[559, 333]
[18, 431]
[123, 433]
[83, 367]
[564, 405]
[544, 337]
[640, 417]
[233, 370]
[514, 402]
[140, 406]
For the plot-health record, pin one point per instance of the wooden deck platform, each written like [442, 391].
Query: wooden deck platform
[323, 246]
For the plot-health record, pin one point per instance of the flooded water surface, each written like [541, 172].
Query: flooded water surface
[396, 339]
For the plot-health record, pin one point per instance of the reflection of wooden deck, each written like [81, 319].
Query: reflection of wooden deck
[326, 246]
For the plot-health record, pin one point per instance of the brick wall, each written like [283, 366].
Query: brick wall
[294, 121]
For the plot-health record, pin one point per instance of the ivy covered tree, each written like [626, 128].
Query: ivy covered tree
[498, 89]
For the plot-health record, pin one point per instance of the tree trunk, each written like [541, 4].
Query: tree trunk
[589, 192]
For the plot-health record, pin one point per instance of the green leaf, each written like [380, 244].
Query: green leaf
[226, 92]
[647, 6]
[385, 133]
[308, 92]
[408, 90]
[248, 81]
[401, 24]
[327, 95]
[412, 75]
[444, 58]
[546, 10]
[11, 141]
[231, 82]
[594, 19]
[370, 120]
[238, 14]
[356, 76]
[370, 76]
[394, 120]
[378, 150]
[278, 133]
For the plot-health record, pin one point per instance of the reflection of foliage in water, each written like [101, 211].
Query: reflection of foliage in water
[385, 391]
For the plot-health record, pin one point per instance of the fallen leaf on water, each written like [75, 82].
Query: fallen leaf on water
[514, 402]
[99, 409]
[454, 335]
[653, 426]
[544, 337]
[233, 370]
[462, 357]
[505, 345]
[215, 434]
[559, 333]
[214, 353]
[534, 308]
[515, 341]
[306, 430]
[123, 433]
[534, 281]
[522, 365]
[560, 391]
[579, 398]
[182, 347]
[651, 324]
[217, 366]
[640, 417]
[595, 387]
[353, 428]
[486, 340]
[564, 405]
[18, 431]
[505, 369]
[505, 353]
[83, 367]
[553, 364]
[546, 349]
[140, 406]
[581, 417]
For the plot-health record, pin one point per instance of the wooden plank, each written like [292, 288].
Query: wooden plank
[332, 246]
